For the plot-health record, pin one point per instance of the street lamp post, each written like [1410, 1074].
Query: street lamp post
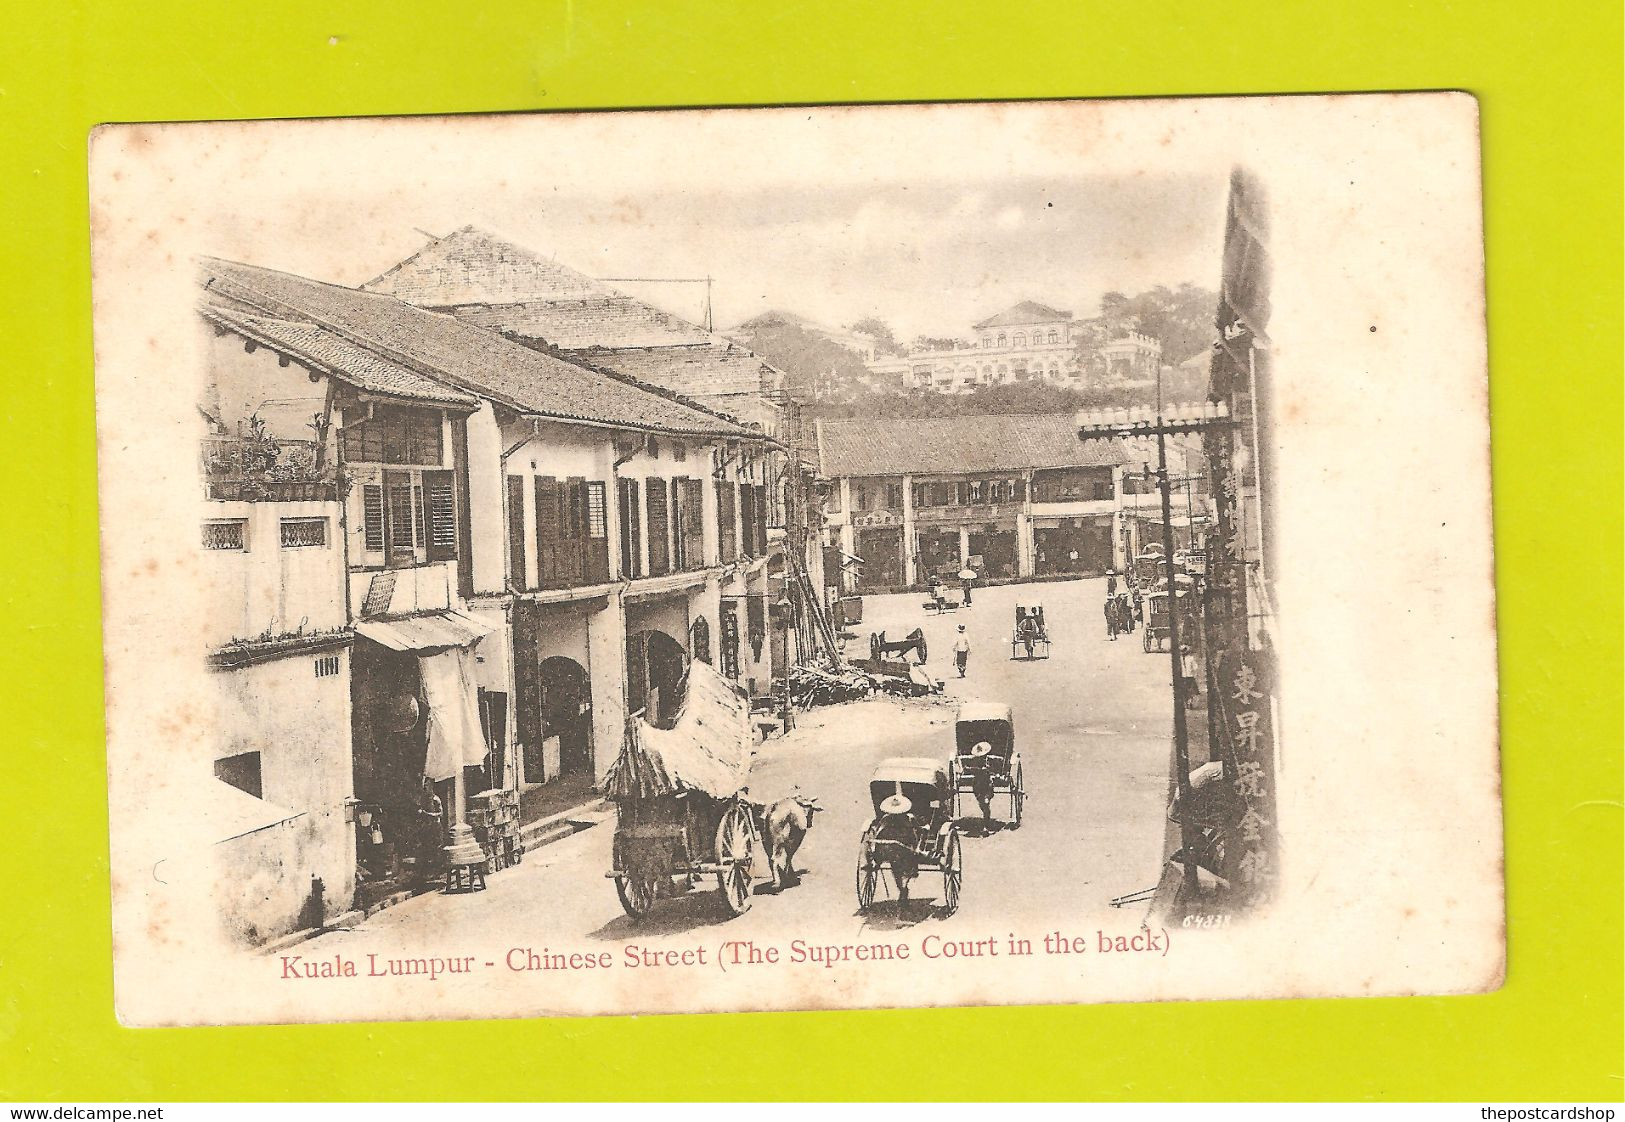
[1188, 419]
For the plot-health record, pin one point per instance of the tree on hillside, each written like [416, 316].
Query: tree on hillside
[935, 343]
[880, 331]
[817, 367]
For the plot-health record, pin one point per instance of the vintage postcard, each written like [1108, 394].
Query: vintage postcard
[713, 561]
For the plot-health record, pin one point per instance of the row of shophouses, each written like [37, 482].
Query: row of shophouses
[1015, 497]
[458, 525]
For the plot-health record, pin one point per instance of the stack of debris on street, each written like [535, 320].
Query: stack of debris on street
[825, 684]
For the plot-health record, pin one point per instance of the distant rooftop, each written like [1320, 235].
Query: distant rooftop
[952, 445]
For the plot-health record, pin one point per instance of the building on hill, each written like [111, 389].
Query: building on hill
[1010, 496]
[1026, 342]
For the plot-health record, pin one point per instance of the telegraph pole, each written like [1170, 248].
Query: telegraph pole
[1179, 420]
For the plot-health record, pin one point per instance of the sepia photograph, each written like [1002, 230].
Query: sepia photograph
[778, 559]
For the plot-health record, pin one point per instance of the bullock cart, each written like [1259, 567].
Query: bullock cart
[682, 816]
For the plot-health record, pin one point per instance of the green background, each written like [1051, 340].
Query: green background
[1549, 80]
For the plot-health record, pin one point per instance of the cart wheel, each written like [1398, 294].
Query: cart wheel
[868, 877]
[1018, 795]
[1145, 639]
[734, 844]
[953, 874]
[637, 893]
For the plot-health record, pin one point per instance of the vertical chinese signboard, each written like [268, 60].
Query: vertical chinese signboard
[1241, 667]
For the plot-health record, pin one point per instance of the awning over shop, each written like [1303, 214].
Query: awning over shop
[429, 632]
[227, 812]
[710, 749]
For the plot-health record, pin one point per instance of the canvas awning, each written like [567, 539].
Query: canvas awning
[428, 632]
[710, 749]
[227, 812]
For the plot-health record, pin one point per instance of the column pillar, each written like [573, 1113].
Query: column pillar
[910, 543]
[964, 547]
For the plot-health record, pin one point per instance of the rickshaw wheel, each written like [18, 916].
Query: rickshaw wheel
[734, 855]
[1145, 639]
[953, 873]
[1018, 795]
[868, 877]
[637, 894]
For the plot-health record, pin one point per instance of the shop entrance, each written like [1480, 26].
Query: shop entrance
[882, 553]
[997, 549]
[938, 555]
[1073, 547]
[656, 665]
[566, 703]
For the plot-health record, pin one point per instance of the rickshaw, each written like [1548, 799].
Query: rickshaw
[1029, 638]
[1149, 569]
[682, 811]
[985, 759]
[913, 831]
[1156, 631]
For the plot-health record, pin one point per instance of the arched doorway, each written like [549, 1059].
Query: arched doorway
[566, 704]
[656, 665]
[699, 640]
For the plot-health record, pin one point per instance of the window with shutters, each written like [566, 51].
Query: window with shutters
[628, 508]
[402, 517]
[659, 549]
[727, 532]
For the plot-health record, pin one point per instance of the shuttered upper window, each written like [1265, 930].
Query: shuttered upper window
[395, 435]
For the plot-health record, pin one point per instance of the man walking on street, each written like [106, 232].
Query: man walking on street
[962, 651]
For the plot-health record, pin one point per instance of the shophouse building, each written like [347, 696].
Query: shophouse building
[547, 306]
[567, 536]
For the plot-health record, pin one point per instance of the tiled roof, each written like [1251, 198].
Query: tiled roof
[467, 357]
[470, 266]
[702, 370]
[605, 319]
[1028, 311]
[951, 445]
[324, 350]
[497, 284]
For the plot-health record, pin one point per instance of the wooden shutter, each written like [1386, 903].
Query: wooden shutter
[727, 539]
[659, 549]
[548, 495]
[440, 509]
[631, 531]
[597, 562]
[372, 517]
[761, 519]
[400, 521]
[516, 531]
[747, 520]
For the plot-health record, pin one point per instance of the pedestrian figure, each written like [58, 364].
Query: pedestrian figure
[964, 583]
[1125, 613]
[1190, 693]
[1111, 583]
[1111, 618]
[962, 651]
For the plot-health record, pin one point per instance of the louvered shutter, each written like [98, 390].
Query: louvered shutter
[659, 546]
[516, 531]
[548, 495]
[372, 518]
[440, 509]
